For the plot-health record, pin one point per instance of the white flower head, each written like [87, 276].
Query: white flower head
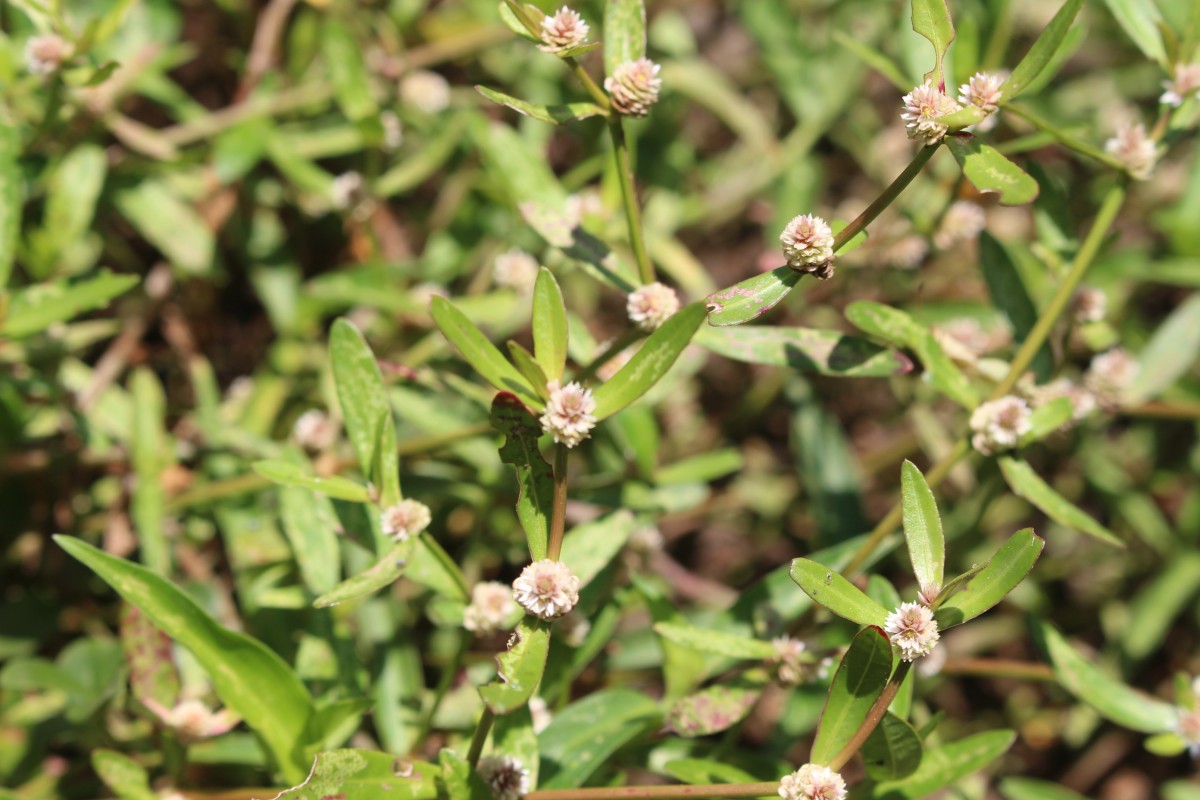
[1109, 375]
[962, 222]
[651, 305]
[982, 91]
[912, 630]
[1187, 725]
[999, 424]
[505, 776]
[1134, 148]
[547, 589]
[393, 130]
[633, 87]
[315, 430]
[425, 90]
[793, 663]
[515, 269]
[1089, 304]
[922, 107]
[812, 782]
[1083, 402]
[405, 519]
[491, 606]
[563, 30]
[1185, 84]
[569, 414]
[193, 721]
[346, 189]
[46, 53]
[808, 245]
[539, 714]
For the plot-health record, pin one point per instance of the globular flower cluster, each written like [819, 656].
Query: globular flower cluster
[1184, 84]
[569, 414]
[515, 269]
[1109, 375]
[405, 519]
[45, 54]
[792, 662]
[922, 108]
[1134, 148]
[505, 776]
[1089, 305]
[651, 305]
[633, 87]
[562, 31]
[999, 424]
[193, 721]
[962, 221]
[813, 782]
[426, 91]
[315, 430]
[491, 607]
[808, 245]
[912, 630]
[547, 589]
[982, 91]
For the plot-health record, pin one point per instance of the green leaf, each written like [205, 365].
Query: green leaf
[716, 708]
[583, 737]
[528, 366]
[520, 666]
[71, 195]
[1028, 484]
[555, 115]
[34, 308]
[170, 224]
[347, 71]
[385, 572]
[1166, 745]
[1009, 294]
[1042, 52]
[480, 353]
[252, 681]
[946, 765]
[289, 474]
[150, 455]
[1169, 354]
[430, 565]
[922, 527]
[513, 735]
[989, 585]
[857, 684]
[535, 477]
[12, 197]
[624, 33]
[369, 422]
[125, 777]
[828, 588]
[589, 548]
[989, 170]
[459, 781]
[152, 671]
[707, 640]
[1140, 20]
[893, 750]
[873, 58]
[806, 349]
[1032, 789]
[510, 18]
[650, 363]
[549, 325]
[751, 298]
[366, 775]
[931, 19]
[1048, 418]
[1113, 699]
[1157, 605]
[896, 327]
[310, 524]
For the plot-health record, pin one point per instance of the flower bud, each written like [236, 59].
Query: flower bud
[922, 107]
[652, 305]
[999, 424]
[46, 53]
[491, 607]
[405, 519]
[1134, 148]
[569, 413]
[505, 776]
[808, 245]
[812, 782]
[562, 31]
[547, 589]
[633, 87]
[1183, 85]
[912, 630]
[1110, 374]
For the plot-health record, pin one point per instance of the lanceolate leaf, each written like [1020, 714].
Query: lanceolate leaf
[709, 641]
[1010, 295]
[1028, 484]
[624, 33]
[34, 308]
[931, 19]
[650, 363]
[1140, 19]
[251, 680]
[893, 750]
[828, 588]
[549, 326]
[1116, 701]
[365, 775]
[11, 196]
[589, 548]
[521, 668]
[125, 777]
[807, 349]
[480, 353]
[582, 738]
[385, 571]
[989, 171]
[310, 524]
[922, 527]
[534, 475]
[347, 71]
[946, 765]
[1042, 52]
[751, 298]
[1169, 354]
[1031, 789]
[289, 474]
[856, 686]
[555, 115]
[1008, 567]
[1048, 418]
[716, 708]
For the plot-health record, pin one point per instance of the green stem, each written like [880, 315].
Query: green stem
[481, 734]
[592, 87]
[653, 792]
[886, 199]
[878, 709]
[449, 673]
[1067, 140]
[633, 214]
[999, 668]
[558, 514]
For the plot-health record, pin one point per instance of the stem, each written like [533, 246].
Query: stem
[1067, 140]
[878, 709]
[652, 792]
[592, 87]
[999, 668]
[449, 673]
[481, 733]
[633, 214]
[884, 200]
[558, 518]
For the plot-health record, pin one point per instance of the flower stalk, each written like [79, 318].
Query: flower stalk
[885, 199]
[633, 212]
[558, 513]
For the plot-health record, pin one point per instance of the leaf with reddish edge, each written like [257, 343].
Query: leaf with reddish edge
[535, 499]
[751, 298]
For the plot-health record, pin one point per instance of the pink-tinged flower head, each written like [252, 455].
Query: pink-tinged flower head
[491, 607]
[425, 90]
[793, 663]
[999, 424]
[922, 107]
[405, 519]
[547, 589]
[808, 245]
[1185, 84]
[912, 630]
[192, 721]
[812, 782]
[982, 91]
[45, 54]
[633, 87]
[1134, 148]
[315, 430]
[562, 31]
[1187, 725]
[505, 776]
[929, 594]
[569, 414]
[962, 221]
[652, 305]
[1109, 375]
[515, 269]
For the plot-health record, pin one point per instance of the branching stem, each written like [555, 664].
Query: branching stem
[885, 199]
[633, 213]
